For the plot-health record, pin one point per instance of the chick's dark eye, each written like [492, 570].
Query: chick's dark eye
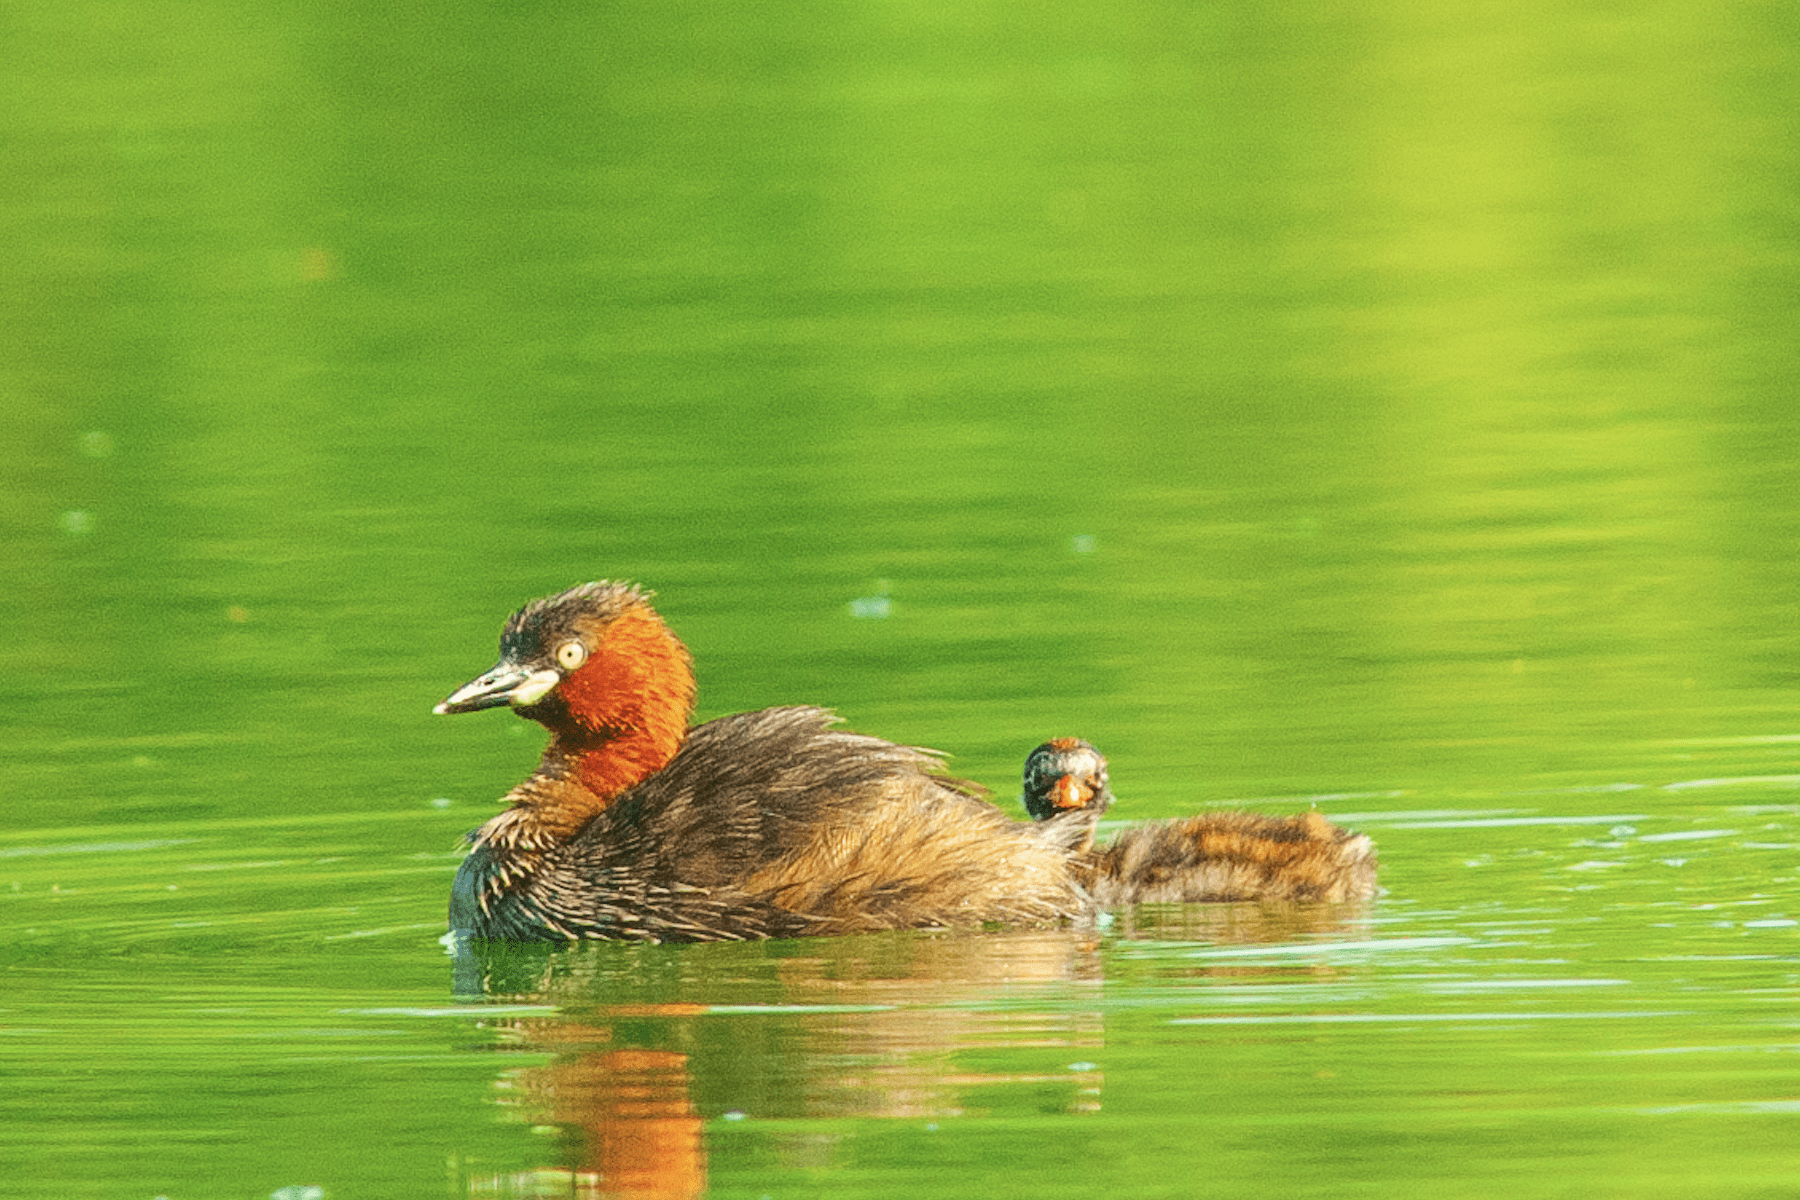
[570, 655]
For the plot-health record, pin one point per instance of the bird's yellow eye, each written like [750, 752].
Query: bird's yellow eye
[570, 655]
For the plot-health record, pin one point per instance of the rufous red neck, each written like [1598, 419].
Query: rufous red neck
[627, 710]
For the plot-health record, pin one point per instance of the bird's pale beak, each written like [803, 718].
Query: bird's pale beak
[504, 684]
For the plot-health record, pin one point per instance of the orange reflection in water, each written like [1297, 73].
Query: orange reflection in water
[867, 1027]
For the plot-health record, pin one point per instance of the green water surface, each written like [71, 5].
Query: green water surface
[1383, 406]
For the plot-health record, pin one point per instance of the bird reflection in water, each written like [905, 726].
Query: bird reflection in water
[651, 1043]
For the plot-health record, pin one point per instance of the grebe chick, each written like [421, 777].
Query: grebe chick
[763, 824]
[1212, 857]
[1067, 788]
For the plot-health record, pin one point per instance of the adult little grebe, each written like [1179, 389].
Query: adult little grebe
[763, 824]
[1215, 856]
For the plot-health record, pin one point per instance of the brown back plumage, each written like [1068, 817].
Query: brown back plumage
[1235, 856]
[773, 824]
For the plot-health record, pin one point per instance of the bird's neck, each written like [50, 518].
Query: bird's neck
[621, 718]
